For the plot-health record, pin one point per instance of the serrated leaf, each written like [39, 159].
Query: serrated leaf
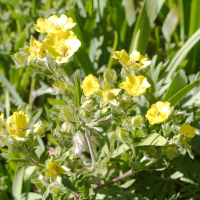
[153, 139]
[67, 183]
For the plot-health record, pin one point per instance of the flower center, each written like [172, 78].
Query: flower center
[108, 94]
[133, 62]
[55, 169]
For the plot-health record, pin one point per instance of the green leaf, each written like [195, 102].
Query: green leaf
[11, 89]
[170, 23]
[67, 183]
[46, 194]
[179, 82]
[17, 183]
[78, 90]
[179, 95]
[31, 196]
[44, 156]
[153, 139]
[105, 138]
[121, 149]
[127, 184]
[22, 161]
[176, 175]
[177, 59]
[56, 101]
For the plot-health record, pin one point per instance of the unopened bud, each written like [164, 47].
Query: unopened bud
[59, 86]
[171, 152]
[137, 121]
[67, 129]
[38, 128]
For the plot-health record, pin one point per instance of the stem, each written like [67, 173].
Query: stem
[93, 156]
[33, 162]
[100, 122]
[89, 142]
[128, 173]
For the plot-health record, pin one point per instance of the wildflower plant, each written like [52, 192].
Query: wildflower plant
[99, 115]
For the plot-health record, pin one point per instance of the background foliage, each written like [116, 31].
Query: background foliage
[166, 30]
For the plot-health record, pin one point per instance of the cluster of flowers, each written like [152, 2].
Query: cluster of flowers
[100, 95]
[60, 42]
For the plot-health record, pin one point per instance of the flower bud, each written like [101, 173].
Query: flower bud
[171, 152]
[88, 105]
[125, 102]
[83, 113]
[38, 128]
[66, 113]
[137, 121]
[122, 134]
[110, 76]
[59, 86]
[67, 129]
[151, 151]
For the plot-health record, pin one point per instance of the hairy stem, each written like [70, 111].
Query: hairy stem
[33, 162]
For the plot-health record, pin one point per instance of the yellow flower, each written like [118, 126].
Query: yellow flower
[16, 123]
[187, 130]
[61, 45]
[54, 169]
[54, 24]
[108, 95]
[134, 61]
[90, 85]
[158, 112]
[135, 85]
[36, 50]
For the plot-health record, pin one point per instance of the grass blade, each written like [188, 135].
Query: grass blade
[181, 54]
[11, 89]
[174, 100]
